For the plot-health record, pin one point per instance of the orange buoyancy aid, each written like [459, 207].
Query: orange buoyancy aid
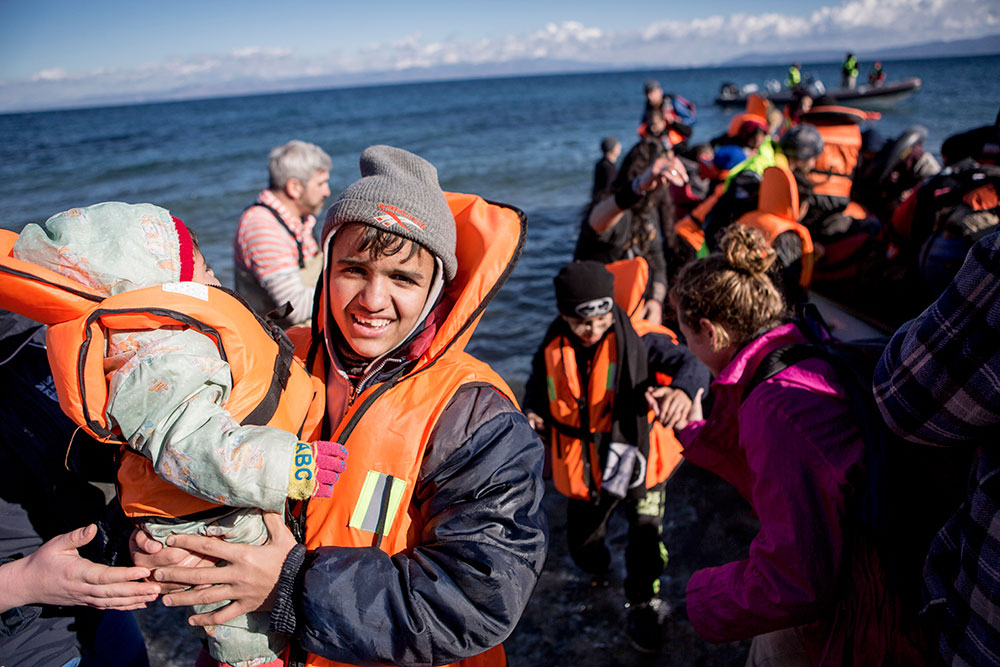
[575, 459]
[778, 212]
[758, 105]
[270, 387]
[833, 174]
[388, 426]
[689, 227]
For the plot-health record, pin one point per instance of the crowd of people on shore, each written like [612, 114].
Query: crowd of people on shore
[316, 466]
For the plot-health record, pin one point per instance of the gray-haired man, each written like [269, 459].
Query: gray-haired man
[275, 254]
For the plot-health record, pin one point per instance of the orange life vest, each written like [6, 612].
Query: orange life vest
[388, 426]
[778, 212]
[270, 387]
[689, 227]
[758, 105]
[576, 468]
[833, 174]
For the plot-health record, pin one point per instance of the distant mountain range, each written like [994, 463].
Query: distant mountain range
[522, 67]
[538, 66]
[980, 46]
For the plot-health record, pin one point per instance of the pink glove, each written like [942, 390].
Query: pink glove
[331, 460]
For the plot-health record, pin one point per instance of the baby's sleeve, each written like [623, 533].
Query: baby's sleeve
[169, 401]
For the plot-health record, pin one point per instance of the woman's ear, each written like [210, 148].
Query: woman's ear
[707, 327]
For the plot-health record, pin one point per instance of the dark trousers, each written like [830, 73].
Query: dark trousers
[645, 555]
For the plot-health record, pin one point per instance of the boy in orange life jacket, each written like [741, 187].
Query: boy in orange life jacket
[607, 393]
[168, 392]
[436, 537]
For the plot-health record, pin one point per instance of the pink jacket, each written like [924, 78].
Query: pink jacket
[792, 451]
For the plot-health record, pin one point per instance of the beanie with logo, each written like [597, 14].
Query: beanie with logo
[399, 193]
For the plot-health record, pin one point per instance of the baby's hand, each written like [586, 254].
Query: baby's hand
[331, 460]
[316, 468]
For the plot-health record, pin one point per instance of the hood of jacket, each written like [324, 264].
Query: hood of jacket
[110, 248]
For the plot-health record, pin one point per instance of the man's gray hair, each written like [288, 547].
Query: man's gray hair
[296, 159]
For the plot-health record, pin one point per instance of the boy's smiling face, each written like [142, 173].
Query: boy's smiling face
[376, 301]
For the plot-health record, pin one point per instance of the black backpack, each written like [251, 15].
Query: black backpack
[911, 489]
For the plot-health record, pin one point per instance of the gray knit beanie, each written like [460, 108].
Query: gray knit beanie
[399, 192]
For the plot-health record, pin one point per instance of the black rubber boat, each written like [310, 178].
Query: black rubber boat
[863, 97]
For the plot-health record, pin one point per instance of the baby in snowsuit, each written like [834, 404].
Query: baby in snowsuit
[167, 394]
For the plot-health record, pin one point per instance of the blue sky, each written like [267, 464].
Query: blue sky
[53, 52]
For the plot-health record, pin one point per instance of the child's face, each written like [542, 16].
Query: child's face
[376, 301]
[202, 273]
[590, 330]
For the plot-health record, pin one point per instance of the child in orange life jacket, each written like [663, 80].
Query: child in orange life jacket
[607, 392]
[168, 390]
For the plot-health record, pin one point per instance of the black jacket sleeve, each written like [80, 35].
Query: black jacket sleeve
[657, 261]
[462, 590]
[667, 357]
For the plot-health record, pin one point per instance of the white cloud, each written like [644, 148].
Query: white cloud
[252, 51]
[854, 24]
[54, 74]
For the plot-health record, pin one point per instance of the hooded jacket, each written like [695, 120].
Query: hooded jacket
[458, 561]
[790, 448]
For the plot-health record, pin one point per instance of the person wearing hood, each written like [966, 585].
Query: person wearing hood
[169, 393]
[437, 538]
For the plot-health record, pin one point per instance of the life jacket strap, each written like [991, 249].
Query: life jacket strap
[281, 221]
[262, 414]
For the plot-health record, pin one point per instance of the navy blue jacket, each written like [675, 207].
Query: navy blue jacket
[463, 589]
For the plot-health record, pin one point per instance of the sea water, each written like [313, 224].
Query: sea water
[527, 141]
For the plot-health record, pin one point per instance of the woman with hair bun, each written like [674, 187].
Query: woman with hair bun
[812, 589]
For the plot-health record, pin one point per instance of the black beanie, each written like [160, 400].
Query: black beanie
[584, 289]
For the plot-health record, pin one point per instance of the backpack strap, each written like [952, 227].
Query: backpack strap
[778, 360]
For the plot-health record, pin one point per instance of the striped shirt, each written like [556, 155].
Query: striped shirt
[938, 382]
[264, 249]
